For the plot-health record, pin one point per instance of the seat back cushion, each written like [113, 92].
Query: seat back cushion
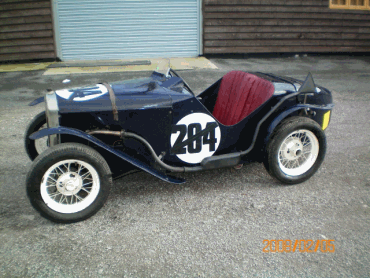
[240, 93]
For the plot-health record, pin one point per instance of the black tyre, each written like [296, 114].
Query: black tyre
[35, 147]
[296, 150]
[68, 182]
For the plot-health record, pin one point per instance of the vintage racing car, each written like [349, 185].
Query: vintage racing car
[89, 135]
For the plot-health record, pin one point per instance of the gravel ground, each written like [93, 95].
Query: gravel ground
[213, 225]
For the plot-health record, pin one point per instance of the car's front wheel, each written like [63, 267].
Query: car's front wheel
[296, 150]
[68, 182]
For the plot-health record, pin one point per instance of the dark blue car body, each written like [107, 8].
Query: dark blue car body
[159, 109]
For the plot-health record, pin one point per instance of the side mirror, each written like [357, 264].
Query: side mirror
[308, 85]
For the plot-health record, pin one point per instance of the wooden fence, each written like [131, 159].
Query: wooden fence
[252, 26]
[26, 30]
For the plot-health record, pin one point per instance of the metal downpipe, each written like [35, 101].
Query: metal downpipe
[124, 134]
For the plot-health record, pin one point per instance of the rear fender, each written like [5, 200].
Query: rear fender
[275, 122]
[315, 113]
[135, 162]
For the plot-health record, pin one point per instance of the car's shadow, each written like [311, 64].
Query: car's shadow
[252, 175]
[20, 216]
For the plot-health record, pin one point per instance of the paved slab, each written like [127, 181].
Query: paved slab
[111, 66]
[23, 67]
[215, 224]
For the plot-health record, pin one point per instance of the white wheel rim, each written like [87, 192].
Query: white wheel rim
[298, 152]
[70, 186]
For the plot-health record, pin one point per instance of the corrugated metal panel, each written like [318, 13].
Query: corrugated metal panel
[97, 30]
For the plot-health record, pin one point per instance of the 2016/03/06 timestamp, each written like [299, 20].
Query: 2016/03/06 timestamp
[301, 245]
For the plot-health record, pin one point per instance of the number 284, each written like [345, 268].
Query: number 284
[196, 138]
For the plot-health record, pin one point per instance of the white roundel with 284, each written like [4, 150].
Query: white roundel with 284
[195, 137]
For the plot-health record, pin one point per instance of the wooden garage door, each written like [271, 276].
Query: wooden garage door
[26, 30]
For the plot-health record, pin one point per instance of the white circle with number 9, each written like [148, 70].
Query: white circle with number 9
[195, 137]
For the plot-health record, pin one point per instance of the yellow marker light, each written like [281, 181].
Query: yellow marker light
[325, 120]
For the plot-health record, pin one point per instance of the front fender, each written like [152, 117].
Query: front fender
[37, 101]
[137, 163]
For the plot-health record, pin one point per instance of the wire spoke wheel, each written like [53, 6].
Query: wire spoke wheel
[298, 152]
[70, 186]
[68, 182]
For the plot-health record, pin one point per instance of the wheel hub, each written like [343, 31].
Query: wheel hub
[69, 183]
[298, 152]
[293, 149]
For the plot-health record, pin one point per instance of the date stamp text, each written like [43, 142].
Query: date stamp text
[298, 245]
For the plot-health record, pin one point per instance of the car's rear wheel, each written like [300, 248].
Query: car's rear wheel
[68, 183]
[295, 150]
[35, 147]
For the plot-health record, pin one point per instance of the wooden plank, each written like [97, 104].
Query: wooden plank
[26, 30]
[253, 26]
[27, 34]
[297, 35]
[17, 1]
[267, 2]
[285, 22]
[21, 13]
[6, 43]
[276, 49]
[25, 20]
[27, 48]
[26, 27]
[202, 26]
[249, 43]
[363, 30]
[27, 56]
[275, 15]
[270, 9]
[25, 5]
[285, 29]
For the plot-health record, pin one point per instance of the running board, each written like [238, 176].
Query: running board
[219, 161]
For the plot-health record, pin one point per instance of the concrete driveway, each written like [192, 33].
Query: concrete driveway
[215, 224]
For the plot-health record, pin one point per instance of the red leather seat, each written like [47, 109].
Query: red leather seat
[239, 95]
